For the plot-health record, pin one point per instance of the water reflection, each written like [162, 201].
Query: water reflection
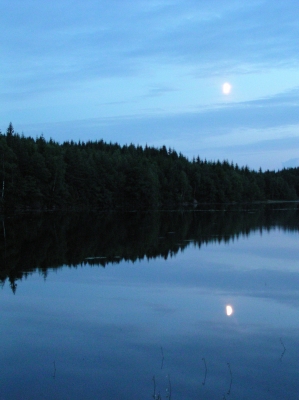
[30, 242]
[146, 327]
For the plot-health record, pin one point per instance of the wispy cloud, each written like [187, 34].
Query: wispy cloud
[56, 42]
[205, 132]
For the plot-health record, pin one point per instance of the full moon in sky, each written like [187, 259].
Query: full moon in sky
[226, 88]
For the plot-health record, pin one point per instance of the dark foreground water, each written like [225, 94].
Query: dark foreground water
[135, 306]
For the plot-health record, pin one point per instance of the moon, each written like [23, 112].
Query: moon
[226, 88]
[229, 310]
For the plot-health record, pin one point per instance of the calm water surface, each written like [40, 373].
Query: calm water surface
[155, 327]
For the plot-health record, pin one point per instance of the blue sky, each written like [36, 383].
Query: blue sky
[152, 72]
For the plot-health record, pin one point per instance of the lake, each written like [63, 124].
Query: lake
[200, 304]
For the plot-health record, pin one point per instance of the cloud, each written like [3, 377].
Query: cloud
[218, 121]
[285, 143]
[159, 91]
[52, 43]
[289, 97]
[292, 163]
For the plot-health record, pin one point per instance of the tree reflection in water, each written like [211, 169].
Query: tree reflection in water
[40, 241]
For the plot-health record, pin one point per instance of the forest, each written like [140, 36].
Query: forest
[46, 175]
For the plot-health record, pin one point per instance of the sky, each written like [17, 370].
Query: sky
[152, 71]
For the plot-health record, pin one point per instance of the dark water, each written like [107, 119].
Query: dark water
[134, 306]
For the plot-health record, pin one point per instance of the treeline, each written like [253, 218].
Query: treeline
[40, 174]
